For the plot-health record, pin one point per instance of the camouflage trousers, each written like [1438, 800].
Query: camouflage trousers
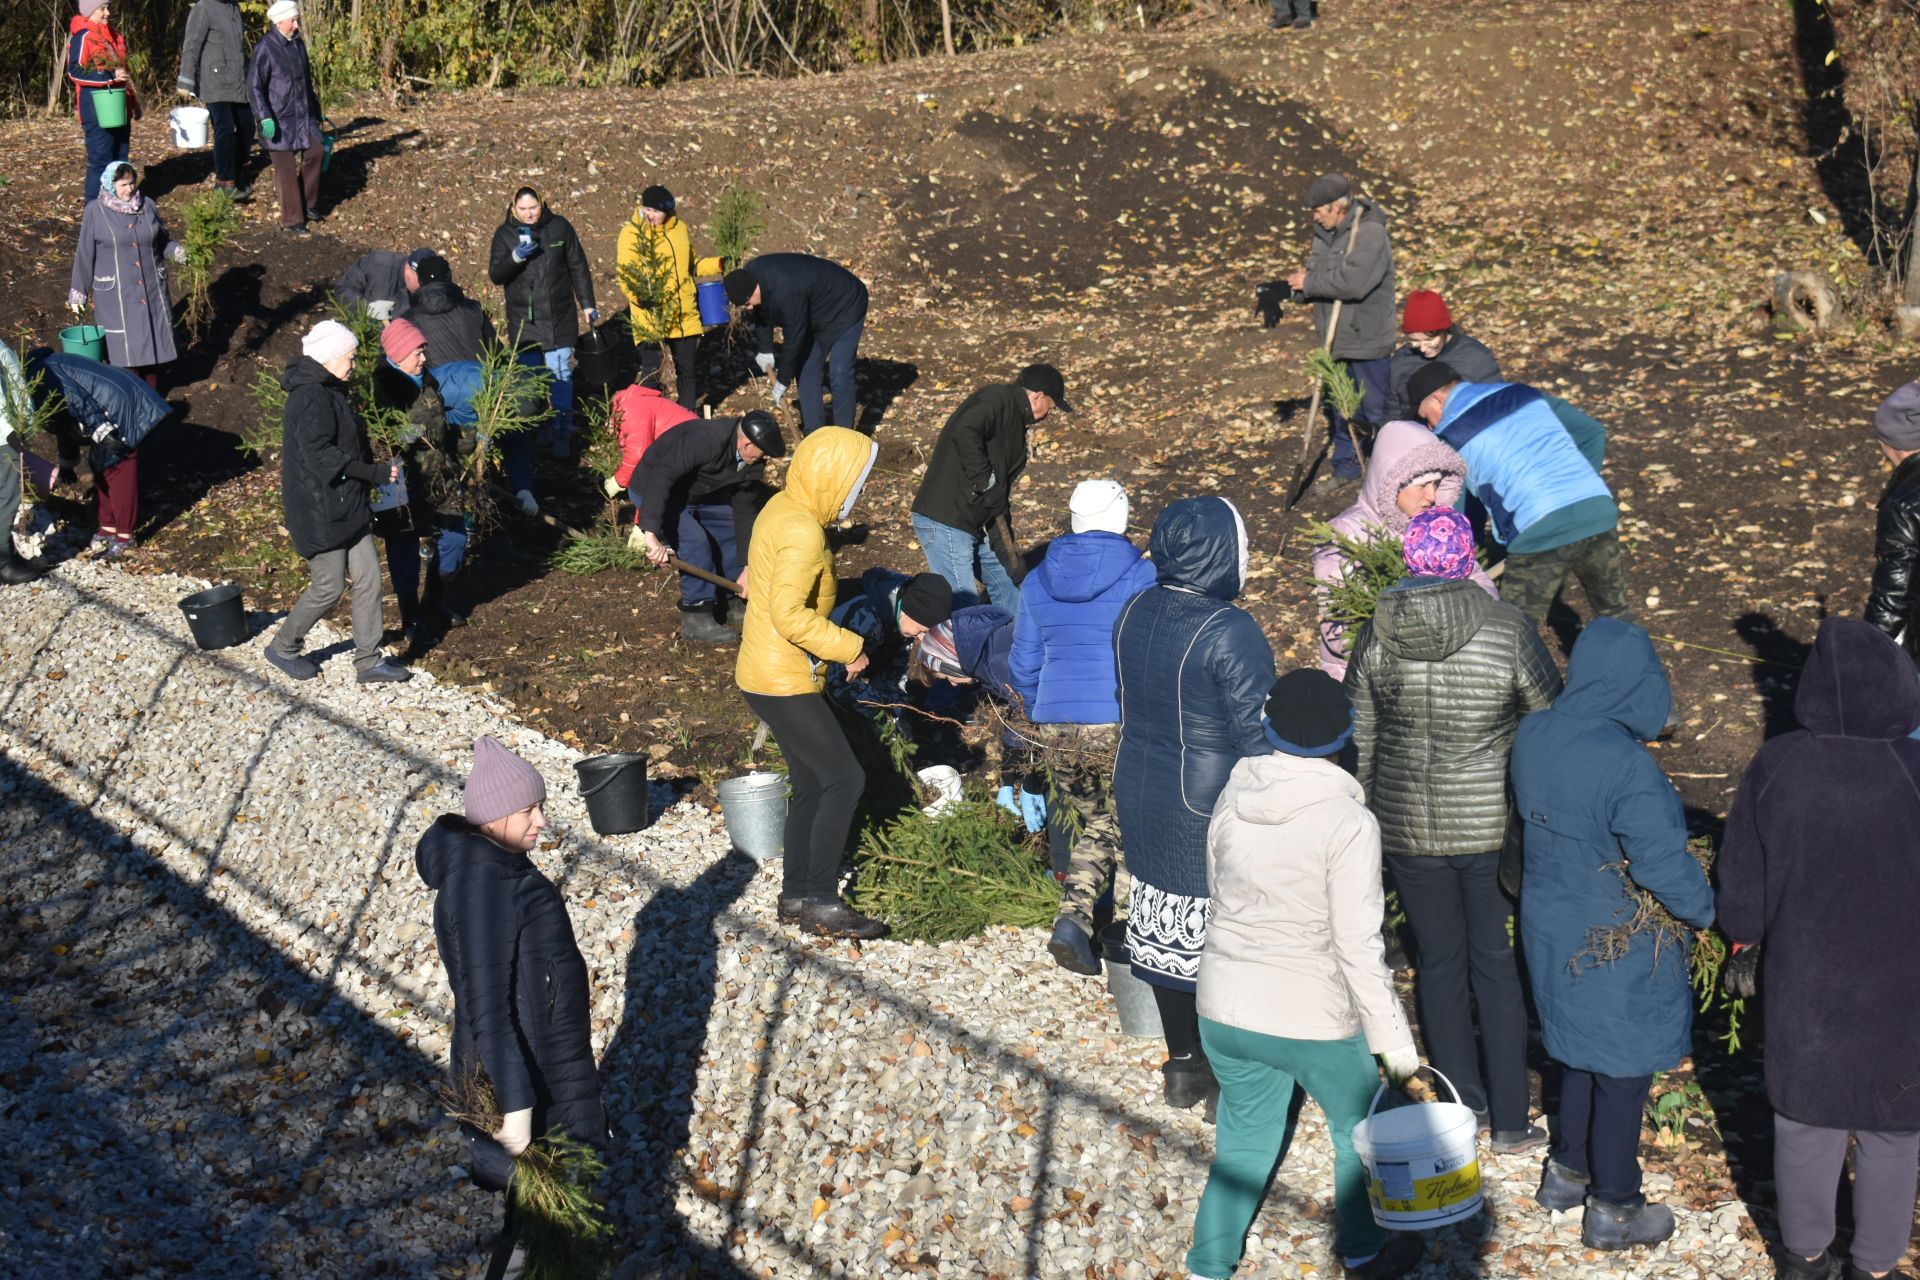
[1080, 761]
[1531, 580]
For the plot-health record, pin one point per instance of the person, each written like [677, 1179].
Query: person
[383, 281]
[1061, 665]
[962, 514]
[325, 471]
[1601, 820]
[1411, 472]
[213, 69]
[520, 990]
[112, 410]
[1892, 595]
[16, 411]
[890, 614]
[1432, 335]
[1293, 858]
[1537, 472]
[538, 259]
[280, 90]
[1361, 280]
[432, 532]
[786, 641]
[820, 308]
[1818, 894]
[656, 250]
[1193, 673]
[1296, 15]
[1443, 672]
[119, 266]
[706, 481]
[641, 414]
[96, 59]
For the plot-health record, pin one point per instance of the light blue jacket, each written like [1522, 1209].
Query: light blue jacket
[1524, 466]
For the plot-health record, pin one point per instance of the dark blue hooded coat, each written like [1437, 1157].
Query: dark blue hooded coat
[982, 639]
[97, 393]
[1194, 673]
[874, 615]
[1820, 864]
[1597, 808]
[1062, 659]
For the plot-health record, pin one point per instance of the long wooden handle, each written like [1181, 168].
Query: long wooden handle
[1326, 345]
[704, 576]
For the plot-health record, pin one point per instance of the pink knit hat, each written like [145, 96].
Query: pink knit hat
[501, 783]
[400, 339]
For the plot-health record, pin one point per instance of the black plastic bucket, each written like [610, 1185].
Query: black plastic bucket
[615, 789]
[217, 616]
[604, 357]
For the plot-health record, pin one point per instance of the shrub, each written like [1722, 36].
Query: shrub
[1372, 564]
[954, 876]
[211, 218]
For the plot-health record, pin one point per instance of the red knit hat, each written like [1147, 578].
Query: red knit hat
[400, 339]
[1426, 312]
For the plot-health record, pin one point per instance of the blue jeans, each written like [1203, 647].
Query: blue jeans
[441, 553]
[104, 146]
[958, 556]
[559, 363]
[834, 356]
[704, 539]
[1372, 377]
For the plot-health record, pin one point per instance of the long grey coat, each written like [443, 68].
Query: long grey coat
[1363, 280]
[121, 263]
[213, 55]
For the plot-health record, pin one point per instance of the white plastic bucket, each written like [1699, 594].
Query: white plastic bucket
[755, 809]
[189, 125]
[1423, 1162]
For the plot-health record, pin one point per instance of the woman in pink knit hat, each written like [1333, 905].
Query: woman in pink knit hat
[426, 533]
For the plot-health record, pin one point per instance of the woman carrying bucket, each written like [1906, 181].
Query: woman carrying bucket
[97, 69]
[119, 265]
[1293, 862]
[655, 248]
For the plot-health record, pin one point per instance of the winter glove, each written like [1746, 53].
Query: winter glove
[381, 310]
[176, 252]
[765, 360]
[637, 539]
[186, 94]
[268, 129]
[1742, 978]
[103, 432]
[610, 487]
[524, 499]
[524, 250]
[516, 1131]
[779, 393]
[1401, 1063]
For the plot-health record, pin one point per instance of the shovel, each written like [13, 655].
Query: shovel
[1313, 409]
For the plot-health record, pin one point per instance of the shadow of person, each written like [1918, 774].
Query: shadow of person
[880, 383]
[1776, 676]
[352, 163]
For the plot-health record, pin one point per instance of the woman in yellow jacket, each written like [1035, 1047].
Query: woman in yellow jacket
[653, 233]
[786, 643]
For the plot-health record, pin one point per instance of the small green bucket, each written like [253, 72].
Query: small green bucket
[88, 340]
[326, 152]
[109, 107]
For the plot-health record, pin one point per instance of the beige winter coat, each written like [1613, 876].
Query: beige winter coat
[1293, 948]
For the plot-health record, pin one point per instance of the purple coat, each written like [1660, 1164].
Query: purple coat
[120, 262]
[280, 87]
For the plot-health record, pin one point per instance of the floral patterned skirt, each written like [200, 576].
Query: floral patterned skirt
[1165, 934]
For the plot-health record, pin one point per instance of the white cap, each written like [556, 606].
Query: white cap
[281, 10]
[1099, 505]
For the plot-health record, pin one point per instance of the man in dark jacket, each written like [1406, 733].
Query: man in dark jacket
[539, 261]
[701, 485]
[1818, 892]
[325, 472]
[1360, 278]
[1896, 540]
[890, 612]
[820, 308]
[963, 512]
[382, 281]
[213, 68]
[16, 411]
[1432, 335]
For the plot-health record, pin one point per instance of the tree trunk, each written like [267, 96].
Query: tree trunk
[946, 25]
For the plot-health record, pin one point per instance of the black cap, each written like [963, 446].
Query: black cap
[419, 256]
[760, 429]
[1308, 713]
[1046, 379]
[433, 267]
[740, 284]
[1429, 378]
[1327, 188]
[927, 599]
[657, 197]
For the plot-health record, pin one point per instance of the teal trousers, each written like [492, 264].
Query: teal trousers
[1257, 1074]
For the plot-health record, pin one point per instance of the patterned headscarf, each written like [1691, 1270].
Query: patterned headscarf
[1439, 544]
[132, 203]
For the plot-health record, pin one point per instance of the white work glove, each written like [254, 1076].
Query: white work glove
[516, 1131]
[105, 429]
[176, 253]
[1401, 1063]
[76, 302]
[779, 393]
[381, 310]
[610, 487]
[765, 361]
[637, 539]
[528, 507]
[657, 551]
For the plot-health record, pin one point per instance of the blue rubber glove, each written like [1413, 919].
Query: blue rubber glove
[1006, 801]
[1033, 807]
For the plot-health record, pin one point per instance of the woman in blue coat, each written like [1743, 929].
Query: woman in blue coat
[1601, 818]
[1194, 675]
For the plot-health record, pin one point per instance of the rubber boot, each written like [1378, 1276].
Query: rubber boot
[698, 625]
[1619, 1226]
[1561, 1188]
[1185, 1081]
[1072, 949]
[15, 572]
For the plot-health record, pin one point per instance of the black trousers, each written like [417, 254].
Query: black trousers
[686, 370]
[1459, 918]
[1599, 1133]
[825, 779]
[232, 135]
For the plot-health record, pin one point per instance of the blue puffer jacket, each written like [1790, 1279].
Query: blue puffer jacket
[1194, 677]
[1592, 798]
[1062, 661]
[874, 615]
[982, 640]
[1524, 467]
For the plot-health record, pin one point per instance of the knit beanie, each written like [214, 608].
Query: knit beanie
[1308, 713]
[1897, 420]
[281, 10]
[657, 197]
[1327, 188]
[501, 783]
[927, 599]
[1429, 378]
[89, 7]
[433, 269]
[1439, 544]
[418, 258]
[328, 341]
[400, 339]
[740, 284]
[1425, 312]
[1099, 505]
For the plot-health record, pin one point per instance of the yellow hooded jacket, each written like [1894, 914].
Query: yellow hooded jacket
[786, 640]
[672, 249]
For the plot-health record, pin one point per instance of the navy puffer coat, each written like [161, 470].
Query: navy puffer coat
[1194, 676]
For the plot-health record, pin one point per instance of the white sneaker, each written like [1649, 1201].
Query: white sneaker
[527, 505]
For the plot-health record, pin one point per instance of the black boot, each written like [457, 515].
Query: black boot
[1185, 1081]
[15, 572]
[1623, 1226]
[698, 625]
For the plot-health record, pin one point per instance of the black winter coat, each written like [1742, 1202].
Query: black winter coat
[692, 464]
[1465, 354]
[521, 995]
[437, 455]
[976, 460]
[541, 291]
[810, 299]
[1895, 593]
[325, 468]
[379, 276]
[456, 327]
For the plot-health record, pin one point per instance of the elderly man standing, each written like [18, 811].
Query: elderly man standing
[1351, 262]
